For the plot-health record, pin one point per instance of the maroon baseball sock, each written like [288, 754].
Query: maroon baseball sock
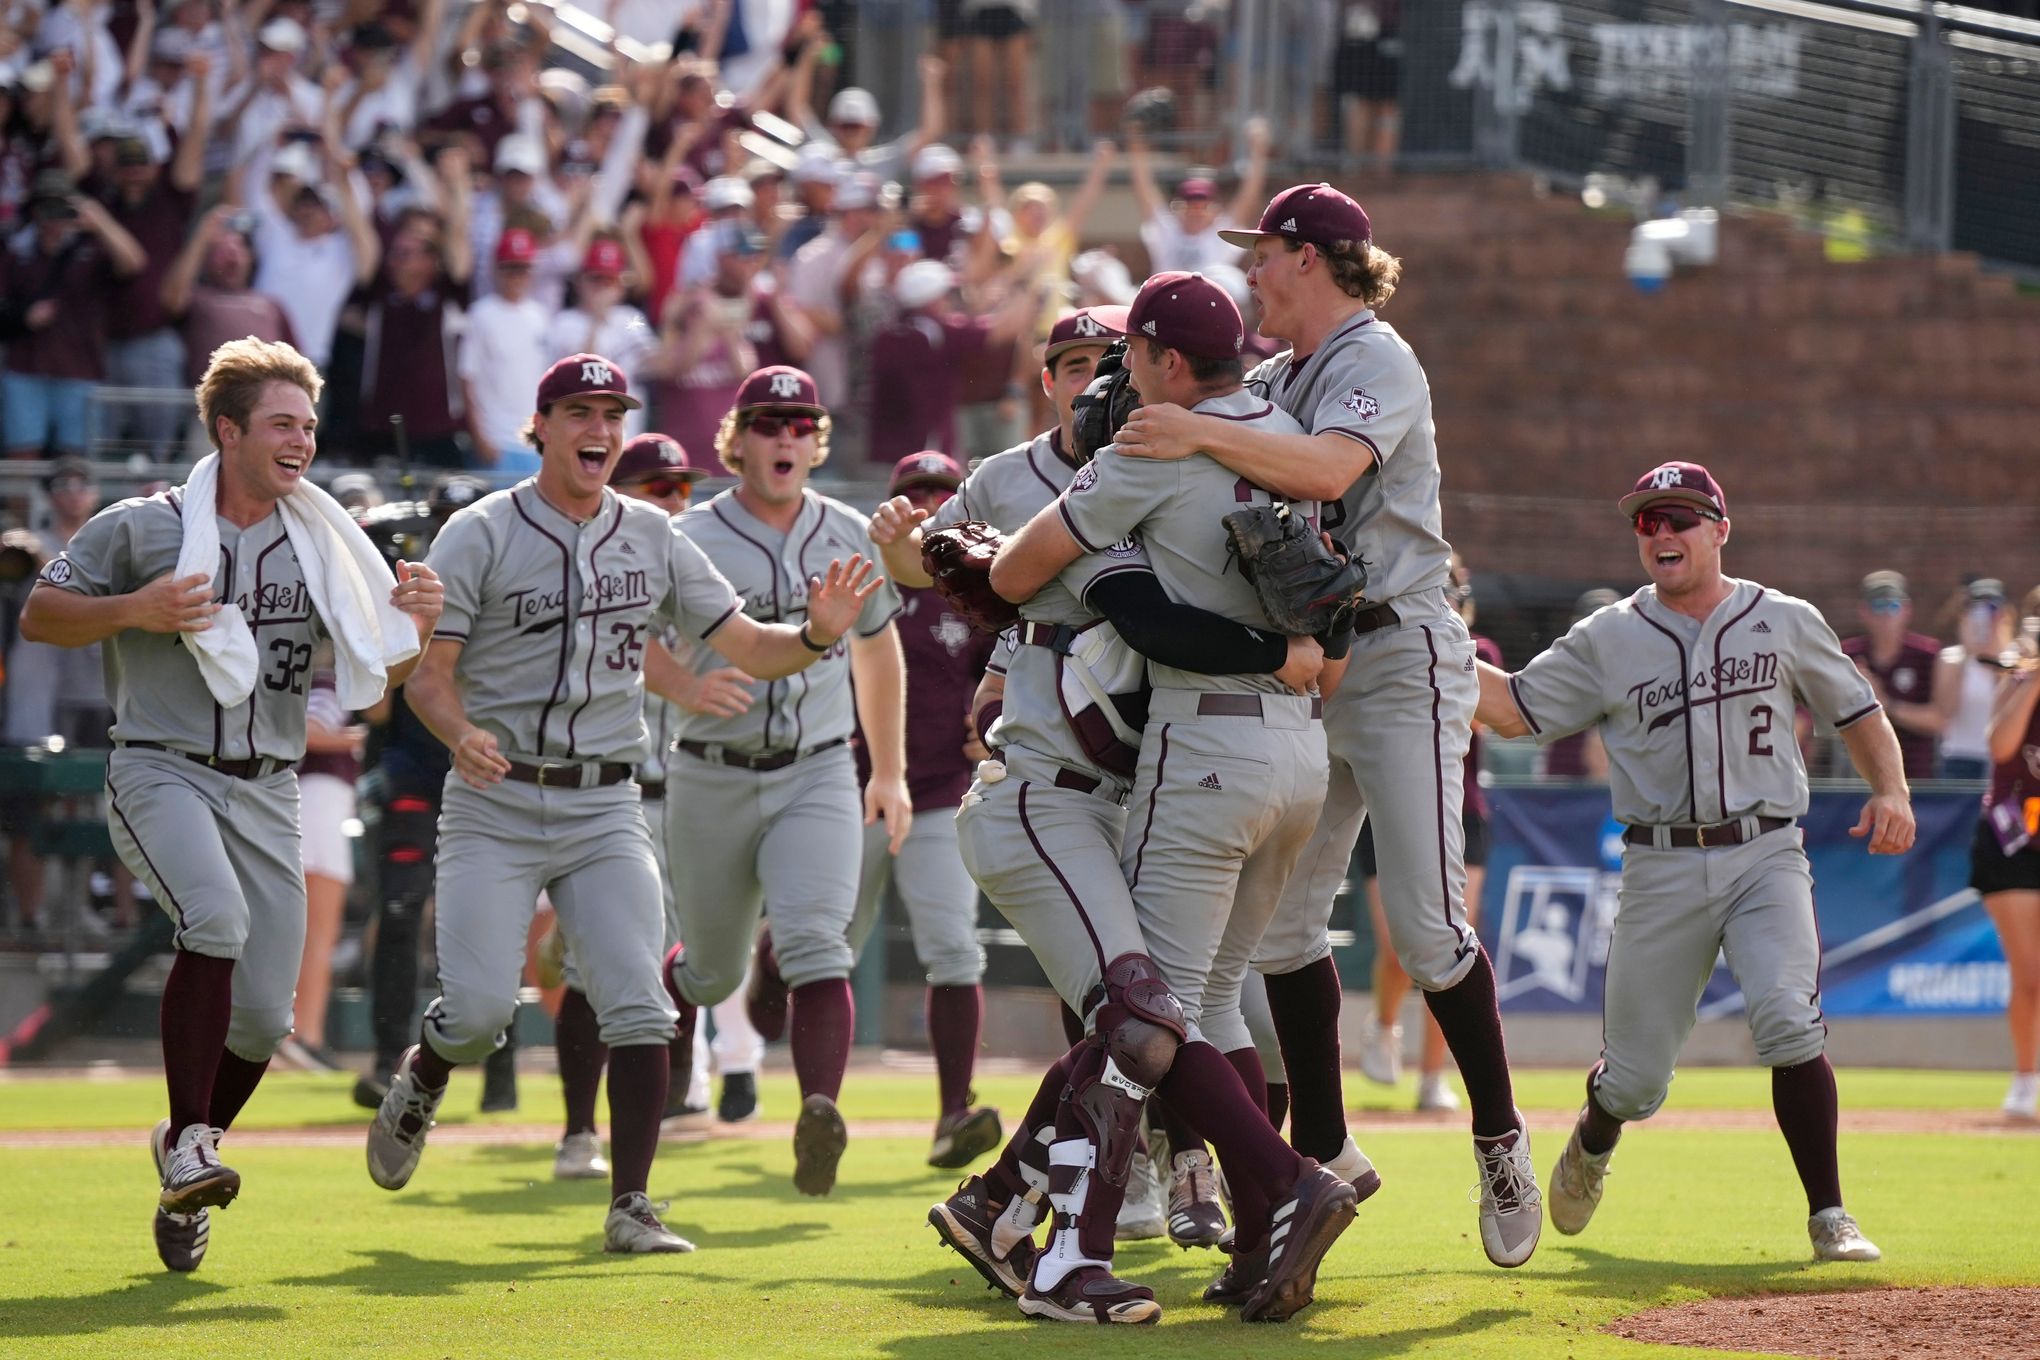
[823, 1020]
[233, 1083]
[1803, 1097]
[429, 1069]
[1004, 1178]
[1259, 1167]
[1472, 1023]
[1305, 1005]
[955, 1017]
[198, 1003]
[1247, 1063]
[578, 1039]
[637, 1101]
[1073, 1025]
[1182, 1134]
[1278, 1108]
[1599, 1130]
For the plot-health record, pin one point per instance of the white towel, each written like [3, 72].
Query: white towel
[349, 582]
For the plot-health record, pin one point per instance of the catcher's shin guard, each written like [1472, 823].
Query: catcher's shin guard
[1140, 1026]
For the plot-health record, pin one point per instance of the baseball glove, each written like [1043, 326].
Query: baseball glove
[959, 559]
[1305, 587]
[1104, 405]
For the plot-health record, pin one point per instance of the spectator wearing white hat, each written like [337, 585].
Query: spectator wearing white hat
[814, 187]
[917, 362]
[274, 98]
[522, 184]
[314, 243]
[727, 199]
[851, 127]
[503, 355]
[822, 284]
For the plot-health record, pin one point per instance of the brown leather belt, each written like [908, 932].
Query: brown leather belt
[778, 760]
[1704, 837]
[260, 767]
[1243, 706]
[570, 775]
[1070, 779]
[1381, 616]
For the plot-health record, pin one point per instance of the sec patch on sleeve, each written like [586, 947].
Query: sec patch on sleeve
[57, 572]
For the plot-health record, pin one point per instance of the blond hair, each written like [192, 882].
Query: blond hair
[1360, 268]
[240, 370]
[735, 422]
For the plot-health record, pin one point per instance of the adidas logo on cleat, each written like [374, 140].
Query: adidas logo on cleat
[1210, 781]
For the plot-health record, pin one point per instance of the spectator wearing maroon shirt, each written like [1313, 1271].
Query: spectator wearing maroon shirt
[945, 659]
[2004, 858]
[918, 362]
[961, 235]
[60, 285]
[1900, 665]
[206, 290]
[488, 118]
[412, 321]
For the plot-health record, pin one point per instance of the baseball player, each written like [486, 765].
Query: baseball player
[1232, 771]
[765, 812]
[1693, 681]
[1399, 724]
[203, 795]
[946, 657]
[554, 589]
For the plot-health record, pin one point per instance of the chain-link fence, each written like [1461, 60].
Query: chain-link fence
[1884, 124]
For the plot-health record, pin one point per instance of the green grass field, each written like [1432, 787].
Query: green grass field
[484, 1255]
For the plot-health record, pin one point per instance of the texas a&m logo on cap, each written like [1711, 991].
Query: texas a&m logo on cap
[785, 385]
[780, 385]
[1666, 478]
[1087, 325]
[585, 375]
[1688, 483]
[596, 373]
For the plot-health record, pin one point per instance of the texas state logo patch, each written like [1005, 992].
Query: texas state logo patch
[1361, 404]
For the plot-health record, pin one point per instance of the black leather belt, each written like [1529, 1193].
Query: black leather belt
[563, 775]
[1243, 706]
[778, 760]
[260, 767]
[1070, 779]
[653, 790]
[1704, 837]
[1381, 616]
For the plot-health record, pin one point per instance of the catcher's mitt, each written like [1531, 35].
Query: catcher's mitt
[1104, 404]
[959, 559]
[1304, 587]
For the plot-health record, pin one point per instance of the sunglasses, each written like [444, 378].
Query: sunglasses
[1677, 518]
[798, 426]
[662, 487]
[1887, 606]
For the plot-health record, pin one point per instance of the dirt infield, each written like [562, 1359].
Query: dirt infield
[1362, 1122]
[1861, 1324]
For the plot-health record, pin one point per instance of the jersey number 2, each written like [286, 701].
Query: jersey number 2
[1760, 728]
[292, 661]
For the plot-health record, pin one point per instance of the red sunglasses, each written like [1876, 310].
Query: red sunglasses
[799, 426]
[662, 487]
[1677, 518]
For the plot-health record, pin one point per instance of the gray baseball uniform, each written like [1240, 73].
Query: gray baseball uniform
[1697, 721]
[1232, 767]
[220, 853]
[762, 810]
[552, 617]
[1399, 723]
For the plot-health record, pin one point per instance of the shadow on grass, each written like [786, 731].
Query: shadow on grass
[154, 1300]
[387, 1273]
[1650, 1283]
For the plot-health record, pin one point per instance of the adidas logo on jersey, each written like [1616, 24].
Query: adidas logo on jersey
[1210, 781]
[628, 551]
[1761, 627]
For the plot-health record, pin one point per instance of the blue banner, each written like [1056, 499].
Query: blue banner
[1900, 935]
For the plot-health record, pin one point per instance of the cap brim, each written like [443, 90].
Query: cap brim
[1636, 500]
[1245, 239]
[947, 483]
[796, 407]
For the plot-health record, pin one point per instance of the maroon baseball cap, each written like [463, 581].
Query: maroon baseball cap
[925, 468]
[1085, 326]
[1688, 483]
[653, 455]
[1316, 213]
[605, 257]
[1187, 312]
[585, 375]
[780, 387]
[516, 246]
[1197, 187]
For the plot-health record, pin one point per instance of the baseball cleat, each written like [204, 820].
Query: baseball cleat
[739, 1099]
[1352, 1167]
[578, 1157]
[1837, 1238]
[1144, 1214]
[1092, 1294]
[1300, 1232]
[633, 1227]
[499, 1082]
[373, 1085]
[2022, 1101]
[549, 960]
[819, 1137]
[1511, 1209]
[964, 1222]
[963, 1136]
[765, 999]
[1381, 1053]
[1576, 1184]
[193, 1176]
[180, 1238]
[1435, 1094]
[1195, 1219]
[396, 1140]
[1242, 1275]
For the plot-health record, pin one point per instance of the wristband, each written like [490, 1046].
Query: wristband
[807, 640]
